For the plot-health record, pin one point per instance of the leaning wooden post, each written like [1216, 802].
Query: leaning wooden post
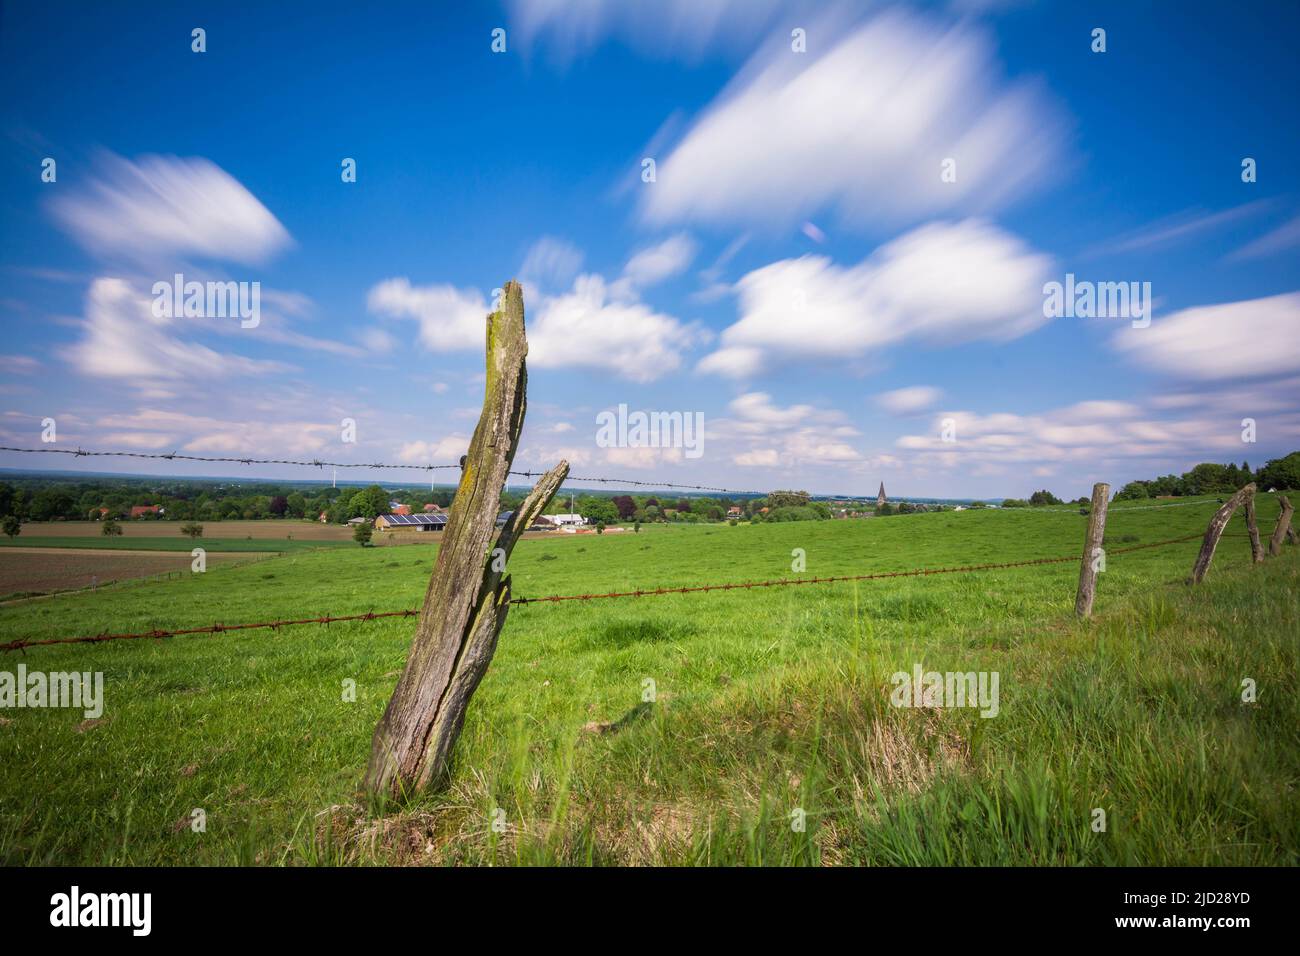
[1212, 533]
[468, 596]
[1283, 526]
[1093, 557]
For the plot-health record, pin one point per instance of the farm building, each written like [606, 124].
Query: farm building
[139, 511]
[433, 509]
[411, 522]
[543, 523]
[562, 520]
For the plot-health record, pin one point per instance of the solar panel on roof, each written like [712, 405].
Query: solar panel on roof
[416, 520]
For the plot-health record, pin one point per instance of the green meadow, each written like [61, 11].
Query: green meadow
[733, 727]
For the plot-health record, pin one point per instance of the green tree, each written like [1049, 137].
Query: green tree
[788, 499]
[369, 503]
[362, 533]
[598, 510]
[1044, 497]
[11, 526]
[110, 527]
[193, 529]
[1280, 473]
[1133, 491]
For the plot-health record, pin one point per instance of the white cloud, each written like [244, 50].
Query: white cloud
[860, 125]
[376, 339]
[909, 400]
[19, 365]
[584, 328]
[1092, 435]
[209, 435]
[593, 325]
[551, 262]
[792, 436]
[123, 339]
[758, 458]
[943, 282]
[1174, 229]
[445, 451]
[1285, 236]
[758, 407]
[449, 318]
[165, 206]
[1247, 339]
[680, 28]
[659, 262]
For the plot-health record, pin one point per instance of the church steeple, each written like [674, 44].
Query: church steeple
[880, 498]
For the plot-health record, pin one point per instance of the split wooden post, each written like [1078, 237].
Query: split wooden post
[1093, 556]
[1252, 528]
[1220, 521]
[468, 596]
[1283, 526]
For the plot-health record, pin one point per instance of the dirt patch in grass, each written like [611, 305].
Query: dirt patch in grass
[46, 570]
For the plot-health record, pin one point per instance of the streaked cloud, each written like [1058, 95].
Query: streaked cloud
[942, 283]
[786, 140]
[1235, 340]
[122, 339]
[910, 400]
[165, 207]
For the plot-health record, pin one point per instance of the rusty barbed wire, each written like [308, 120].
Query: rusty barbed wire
[161, 633]
[631, 482]
[318, 463]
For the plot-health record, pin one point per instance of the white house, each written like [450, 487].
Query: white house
[563, 520]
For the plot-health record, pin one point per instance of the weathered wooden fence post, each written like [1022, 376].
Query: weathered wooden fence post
[1252, 528]
[1093, 556]
[1220, 521]
[468, 595]
[1283, 526]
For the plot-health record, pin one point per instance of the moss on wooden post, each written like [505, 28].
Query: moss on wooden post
[468, 596]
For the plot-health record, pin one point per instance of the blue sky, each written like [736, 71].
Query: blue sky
[799, 271]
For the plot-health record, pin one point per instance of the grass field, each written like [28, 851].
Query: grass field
[767, 702]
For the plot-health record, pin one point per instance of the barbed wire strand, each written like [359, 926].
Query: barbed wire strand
[632, 482]
[160, 633]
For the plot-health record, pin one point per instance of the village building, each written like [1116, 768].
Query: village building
[880, 498]
[139, 511]
[420, 522]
